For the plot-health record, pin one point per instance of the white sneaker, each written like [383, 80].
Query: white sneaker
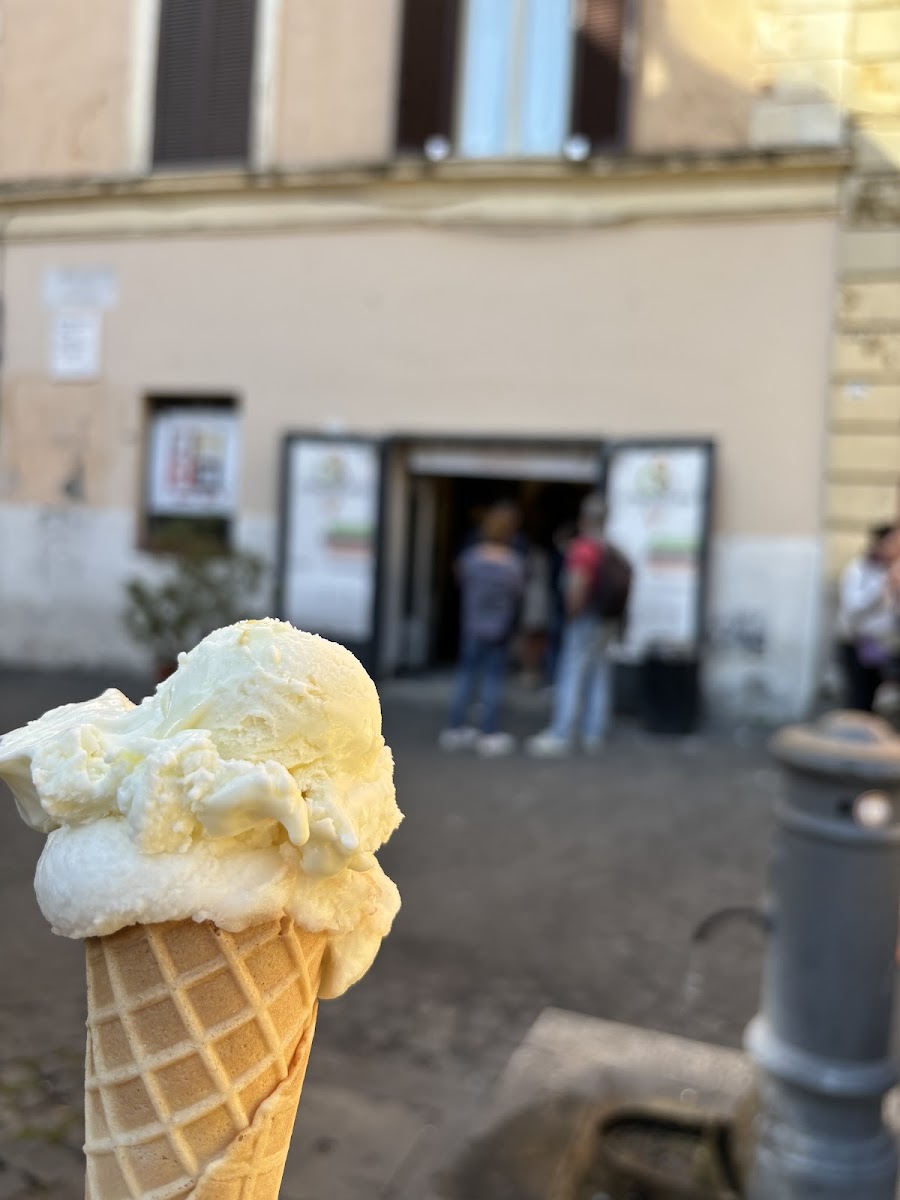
[452, 740]
[592, 746]
[547, 745]
[495, 745]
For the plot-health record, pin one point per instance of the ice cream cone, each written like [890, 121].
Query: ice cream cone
[197, 1048]
[251, 790]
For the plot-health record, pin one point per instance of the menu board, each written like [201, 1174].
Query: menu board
[330, 536]
[658, 498]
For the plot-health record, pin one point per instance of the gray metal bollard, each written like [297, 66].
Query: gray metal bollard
[822, 1040]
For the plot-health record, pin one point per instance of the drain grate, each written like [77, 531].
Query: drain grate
[659, 1154]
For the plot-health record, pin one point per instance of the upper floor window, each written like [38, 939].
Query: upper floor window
[204, 79]
[510, 78]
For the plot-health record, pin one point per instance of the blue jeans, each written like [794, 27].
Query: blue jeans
[554, 646]
[487, 661]
[582, 681]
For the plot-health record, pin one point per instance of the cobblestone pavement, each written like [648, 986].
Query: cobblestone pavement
[573, 884]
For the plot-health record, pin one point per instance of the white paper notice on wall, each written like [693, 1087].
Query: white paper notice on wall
[81, 287]
[75, 343]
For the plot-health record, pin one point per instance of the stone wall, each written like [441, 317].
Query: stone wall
[864, 462]
[829, 71]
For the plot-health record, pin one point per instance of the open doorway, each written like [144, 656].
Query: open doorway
[444, 516]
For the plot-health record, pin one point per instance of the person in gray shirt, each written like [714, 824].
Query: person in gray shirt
[492, 578]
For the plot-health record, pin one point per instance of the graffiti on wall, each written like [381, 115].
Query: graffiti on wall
[741, 631]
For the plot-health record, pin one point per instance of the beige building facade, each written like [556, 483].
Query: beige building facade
[728, 267]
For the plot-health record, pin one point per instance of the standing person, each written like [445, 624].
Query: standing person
[868, 614]
[596, 580]
[492, 578]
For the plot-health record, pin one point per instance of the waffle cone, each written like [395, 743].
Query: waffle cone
[197, 1047]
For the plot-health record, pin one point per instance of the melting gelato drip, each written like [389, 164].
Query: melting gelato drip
[255, 783]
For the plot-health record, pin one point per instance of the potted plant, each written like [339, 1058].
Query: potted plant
[203, 588]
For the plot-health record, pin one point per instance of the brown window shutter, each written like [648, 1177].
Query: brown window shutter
[597, 89]
[427, 71]
[204, 81]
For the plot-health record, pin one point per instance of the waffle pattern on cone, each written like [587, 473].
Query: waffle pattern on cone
[196, 1049]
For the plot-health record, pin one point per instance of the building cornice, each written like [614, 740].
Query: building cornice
[551, 195]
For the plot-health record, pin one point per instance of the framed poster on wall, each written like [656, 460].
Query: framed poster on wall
[193, 464]
[659, 496]
[331, 502]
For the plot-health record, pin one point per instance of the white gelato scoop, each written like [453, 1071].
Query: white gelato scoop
[255, 783]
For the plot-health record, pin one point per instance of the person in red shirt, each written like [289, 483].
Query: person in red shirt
[581, 702]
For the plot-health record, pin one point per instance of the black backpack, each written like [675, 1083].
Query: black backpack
[612, 584]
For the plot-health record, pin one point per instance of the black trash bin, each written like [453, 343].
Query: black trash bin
[670, 690]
